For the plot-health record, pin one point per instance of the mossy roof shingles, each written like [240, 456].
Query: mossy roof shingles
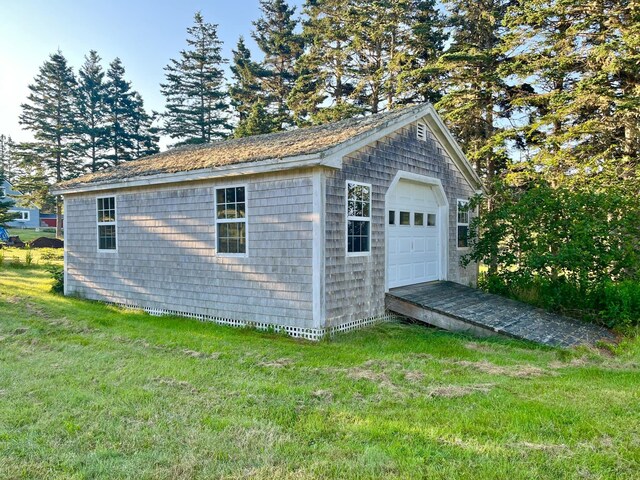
[273, 146]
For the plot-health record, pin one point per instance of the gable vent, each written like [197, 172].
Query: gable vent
[422, 131]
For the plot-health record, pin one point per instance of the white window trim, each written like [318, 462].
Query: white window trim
[25, 215]
[232, 220]
[462, 224]
[360, 219]
[98, 223]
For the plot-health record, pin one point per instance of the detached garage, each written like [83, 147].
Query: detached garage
[302, 230]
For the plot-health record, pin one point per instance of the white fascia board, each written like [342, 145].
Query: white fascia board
[453, 149]
[333, 157]
[249, 168]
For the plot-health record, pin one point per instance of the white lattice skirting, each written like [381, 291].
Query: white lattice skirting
[296, 332]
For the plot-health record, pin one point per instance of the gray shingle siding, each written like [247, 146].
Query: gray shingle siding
[166, 255]
[355, 286]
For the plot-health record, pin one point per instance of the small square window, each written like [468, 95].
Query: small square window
[431, 220]
[418, 219]
[405, 218]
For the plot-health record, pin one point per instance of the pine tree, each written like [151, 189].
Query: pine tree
[32, 178]
[245, 91]
[120, 106]
[145, 136]
[51, 113]
[275, 34]
[92, 110]
[258, 121]
[418, 80]
[7, 160]
[197, 103]
[324, 86]
[5, 204]
[475, 91]
[581, 59]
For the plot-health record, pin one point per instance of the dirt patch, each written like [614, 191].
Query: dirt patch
[172, 382]
[202, 355]
[518, 371]
[278, 363]
[413, 376]
[456, 391]
[544, 447]
[47, 242]
[20, 331]
[323, 395]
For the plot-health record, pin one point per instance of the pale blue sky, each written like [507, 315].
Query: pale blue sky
[145, 34]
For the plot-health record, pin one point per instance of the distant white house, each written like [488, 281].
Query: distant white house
[29, 217]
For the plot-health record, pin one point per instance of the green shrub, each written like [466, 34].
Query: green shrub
[48, 254]
[573, 250]
[57, 273]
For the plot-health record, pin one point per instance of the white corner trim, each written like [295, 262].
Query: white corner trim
[318, 248]
[443, 220]
[65, 261]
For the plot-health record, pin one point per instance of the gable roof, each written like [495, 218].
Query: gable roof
[317, 145]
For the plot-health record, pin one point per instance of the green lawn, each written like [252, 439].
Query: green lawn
[28, 234]
[91, 391]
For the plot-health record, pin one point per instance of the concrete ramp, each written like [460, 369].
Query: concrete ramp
[458, 308]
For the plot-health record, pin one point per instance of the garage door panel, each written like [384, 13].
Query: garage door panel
[413, 250]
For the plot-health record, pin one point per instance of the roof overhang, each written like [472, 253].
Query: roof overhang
[331, 158]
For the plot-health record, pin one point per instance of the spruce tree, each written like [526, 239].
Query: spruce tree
[275, 34]
[245, 91]
[258, 121]
[475, 90]
[120, 107]
[324, 85]
[145, 136]
[581, 61]
[51, 115]
[92, 111]
[419, 77]
[197, 103]
[5, 204]
[7, 159]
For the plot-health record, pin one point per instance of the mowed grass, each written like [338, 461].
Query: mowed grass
[91, 391]
[29, 234]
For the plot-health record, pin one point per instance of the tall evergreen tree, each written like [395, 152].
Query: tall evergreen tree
[197, 103]
[275, 33]
[325, 84]
[581, 59]
[92, 110]
[145, 136]
[419, 77]
[5, 204]
[7, 159]
[50, 114]
[32, 178]
[245, 91]
[120, 107]
[474, 103]
[256, 123]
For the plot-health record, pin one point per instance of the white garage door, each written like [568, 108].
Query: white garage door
[413, 234]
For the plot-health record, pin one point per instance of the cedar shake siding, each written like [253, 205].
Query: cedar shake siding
[355, 286]
[296, 274]
[166, 256]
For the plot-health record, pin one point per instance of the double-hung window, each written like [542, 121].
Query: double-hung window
[358, 218]
[463, 224]
[107, 228]
[231, 220]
